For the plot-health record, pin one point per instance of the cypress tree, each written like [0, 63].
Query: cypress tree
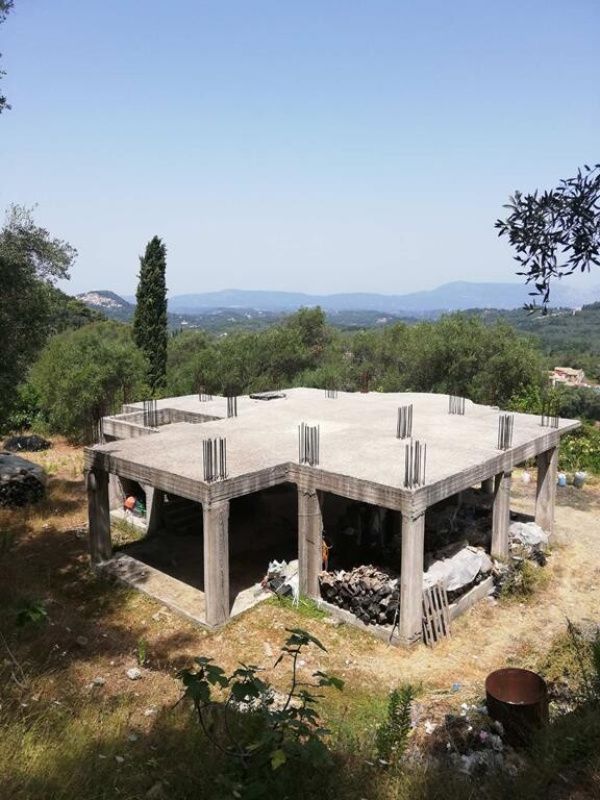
[150, 319]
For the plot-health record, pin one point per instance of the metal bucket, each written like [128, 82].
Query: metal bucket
[518, 699]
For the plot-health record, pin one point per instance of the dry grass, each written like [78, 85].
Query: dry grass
[61, 736]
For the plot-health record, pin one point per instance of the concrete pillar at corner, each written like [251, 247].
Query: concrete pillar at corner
[411, 579]
[216, 562]
[488, 486]
[98, 516]
[154, 510]
[310, 542]
[501, 515]
[547, 464]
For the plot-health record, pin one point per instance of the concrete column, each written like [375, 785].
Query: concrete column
[547, 465]
[488, 486]
[310, 542]
[154, 509]
[98, 516]
[216, 562]
[115, 495]
[411, 579]
[501, 515]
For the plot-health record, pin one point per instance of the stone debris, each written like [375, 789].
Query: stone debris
[472, 742]
[21, 481]
[134, 674]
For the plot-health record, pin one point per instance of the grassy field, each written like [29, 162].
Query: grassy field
[74, 725]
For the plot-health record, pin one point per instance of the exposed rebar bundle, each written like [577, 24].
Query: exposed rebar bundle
[505, 431]
[202, 396]
[415, 463]
[98, 427]
[150, 414]
[456, 405]
[549, 418]
[214, 459]
[308, 444]
[232, 407]
[404, 424]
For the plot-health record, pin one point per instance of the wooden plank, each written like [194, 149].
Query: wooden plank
[436, 614]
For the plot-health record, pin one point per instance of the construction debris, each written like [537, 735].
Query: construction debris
[28, 444]
[21, 481]
[371, 595]
[458, 570]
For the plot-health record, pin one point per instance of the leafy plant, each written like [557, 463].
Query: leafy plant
[31, 612]
[142, 651]
[522, 581]
[580, 450]
[255, 727]
[392, 735]
[556, 232]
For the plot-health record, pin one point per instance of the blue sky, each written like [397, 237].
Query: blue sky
[319, 145]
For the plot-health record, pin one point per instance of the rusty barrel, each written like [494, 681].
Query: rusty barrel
[518, 699]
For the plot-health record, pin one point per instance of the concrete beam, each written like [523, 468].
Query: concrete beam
[547, 466]
[501, 515]
[310, 542]
[216, 562]
[98, 516]
[410, 628]
[487, 486]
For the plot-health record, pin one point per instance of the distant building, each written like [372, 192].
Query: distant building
[568, 376]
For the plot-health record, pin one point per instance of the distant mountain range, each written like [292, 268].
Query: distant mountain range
[184, 309]
[455, 296]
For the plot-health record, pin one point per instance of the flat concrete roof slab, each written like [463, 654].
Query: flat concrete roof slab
[357, 435]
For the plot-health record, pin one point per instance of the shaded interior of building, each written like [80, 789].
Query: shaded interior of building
[263, 527]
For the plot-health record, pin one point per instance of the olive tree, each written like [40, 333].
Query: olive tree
[84, 374]
[556, 232]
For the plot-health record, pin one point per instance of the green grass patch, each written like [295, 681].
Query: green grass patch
[307, 608]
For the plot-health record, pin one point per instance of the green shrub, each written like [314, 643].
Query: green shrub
[392, 735]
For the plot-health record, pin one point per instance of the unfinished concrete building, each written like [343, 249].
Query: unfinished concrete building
[210, 465]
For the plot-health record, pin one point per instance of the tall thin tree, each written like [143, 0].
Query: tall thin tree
[150, 319]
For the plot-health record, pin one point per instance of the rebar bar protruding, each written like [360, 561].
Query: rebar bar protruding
[456, 405]
[214, 459]
[404, 423]
[232, 407]
[549, 418]
[308, 444]
[150, 414]
[98, 426]
[415, 463]
[202, 396]
[505, 431]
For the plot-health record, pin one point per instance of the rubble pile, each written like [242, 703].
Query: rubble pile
[21, 481]
[370, 594]
[31, 443]
[459, 567]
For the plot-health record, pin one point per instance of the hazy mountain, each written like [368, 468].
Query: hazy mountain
[458, 295]
[111, 305]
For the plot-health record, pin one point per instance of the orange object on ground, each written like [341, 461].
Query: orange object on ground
[129, 503]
